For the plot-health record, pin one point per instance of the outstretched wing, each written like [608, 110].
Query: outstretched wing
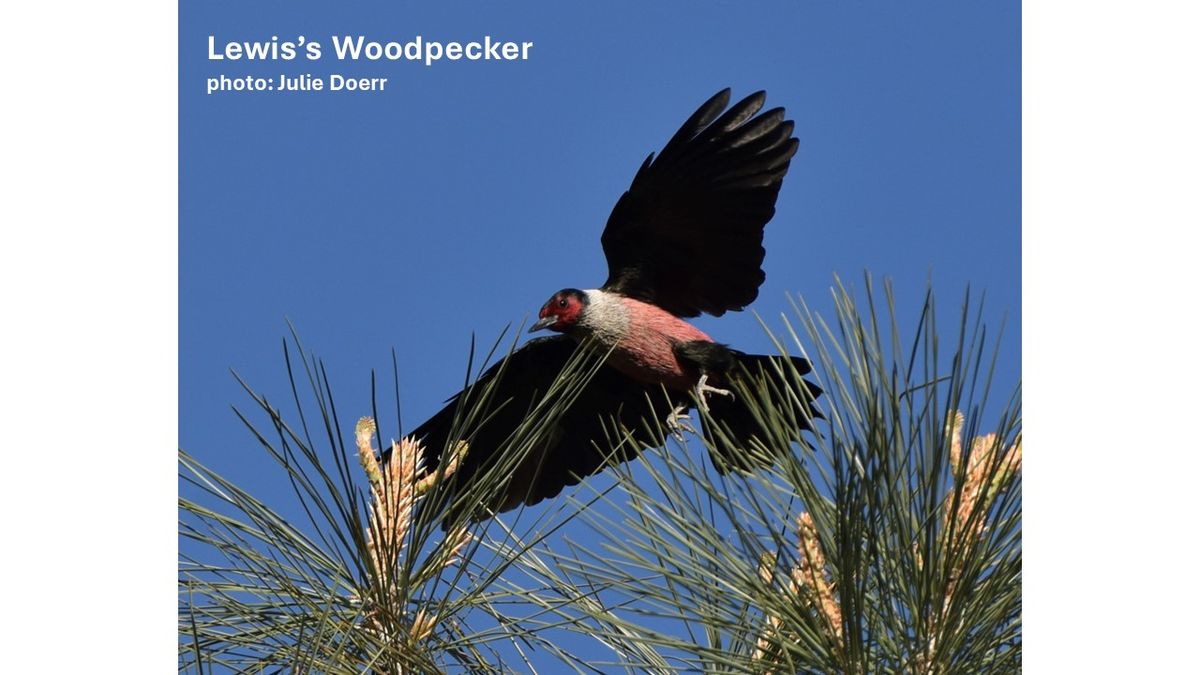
[687, 235]
[492, 411]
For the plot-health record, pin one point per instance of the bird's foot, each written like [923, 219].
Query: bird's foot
[702, 388]
[676, 422]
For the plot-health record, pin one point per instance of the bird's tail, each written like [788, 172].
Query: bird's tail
[772, 405]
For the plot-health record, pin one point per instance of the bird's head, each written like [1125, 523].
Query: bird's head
[562, 311]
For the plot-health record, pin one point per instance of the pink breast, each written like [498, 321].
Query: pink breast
[646, 352]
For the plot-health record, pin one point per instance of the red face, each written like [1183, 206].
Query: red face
[561, 311]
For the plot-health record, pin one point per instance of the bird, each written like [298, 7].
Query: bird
[685, 239]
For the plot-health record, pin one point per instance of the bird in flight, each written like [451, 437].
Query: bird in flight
[685, 239]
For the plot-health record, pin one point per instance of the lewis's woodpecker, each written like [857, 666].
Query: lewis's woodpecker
[685, 239]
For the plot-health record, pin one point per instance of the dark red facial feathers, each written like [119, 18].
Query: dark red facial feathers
[562, 311]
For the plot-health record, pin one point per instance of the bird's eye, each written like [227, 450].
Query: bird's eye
[562, 302]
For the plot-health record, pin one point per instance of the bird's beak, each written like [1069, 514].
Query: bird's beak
[543, 323]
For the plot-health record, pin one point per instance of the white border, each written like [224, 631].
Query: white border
[1110, 215]
[88, 271]
[89, 277]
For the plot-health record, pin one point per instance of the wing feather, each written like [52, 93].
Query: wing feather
[576, 444]
[687, 235]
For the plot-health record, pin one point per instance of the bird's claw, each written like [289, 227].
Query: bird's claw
[676, 424]
[702, 388]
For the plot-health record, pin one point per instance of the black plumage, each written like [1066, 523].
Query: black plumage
[578, 442]
[687, 235]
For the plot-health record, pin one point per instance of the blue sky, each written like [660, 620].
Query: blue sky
[458, 199]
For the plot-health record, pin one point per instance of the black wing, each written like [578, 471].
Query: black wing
[687, 236]
[576, 446]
